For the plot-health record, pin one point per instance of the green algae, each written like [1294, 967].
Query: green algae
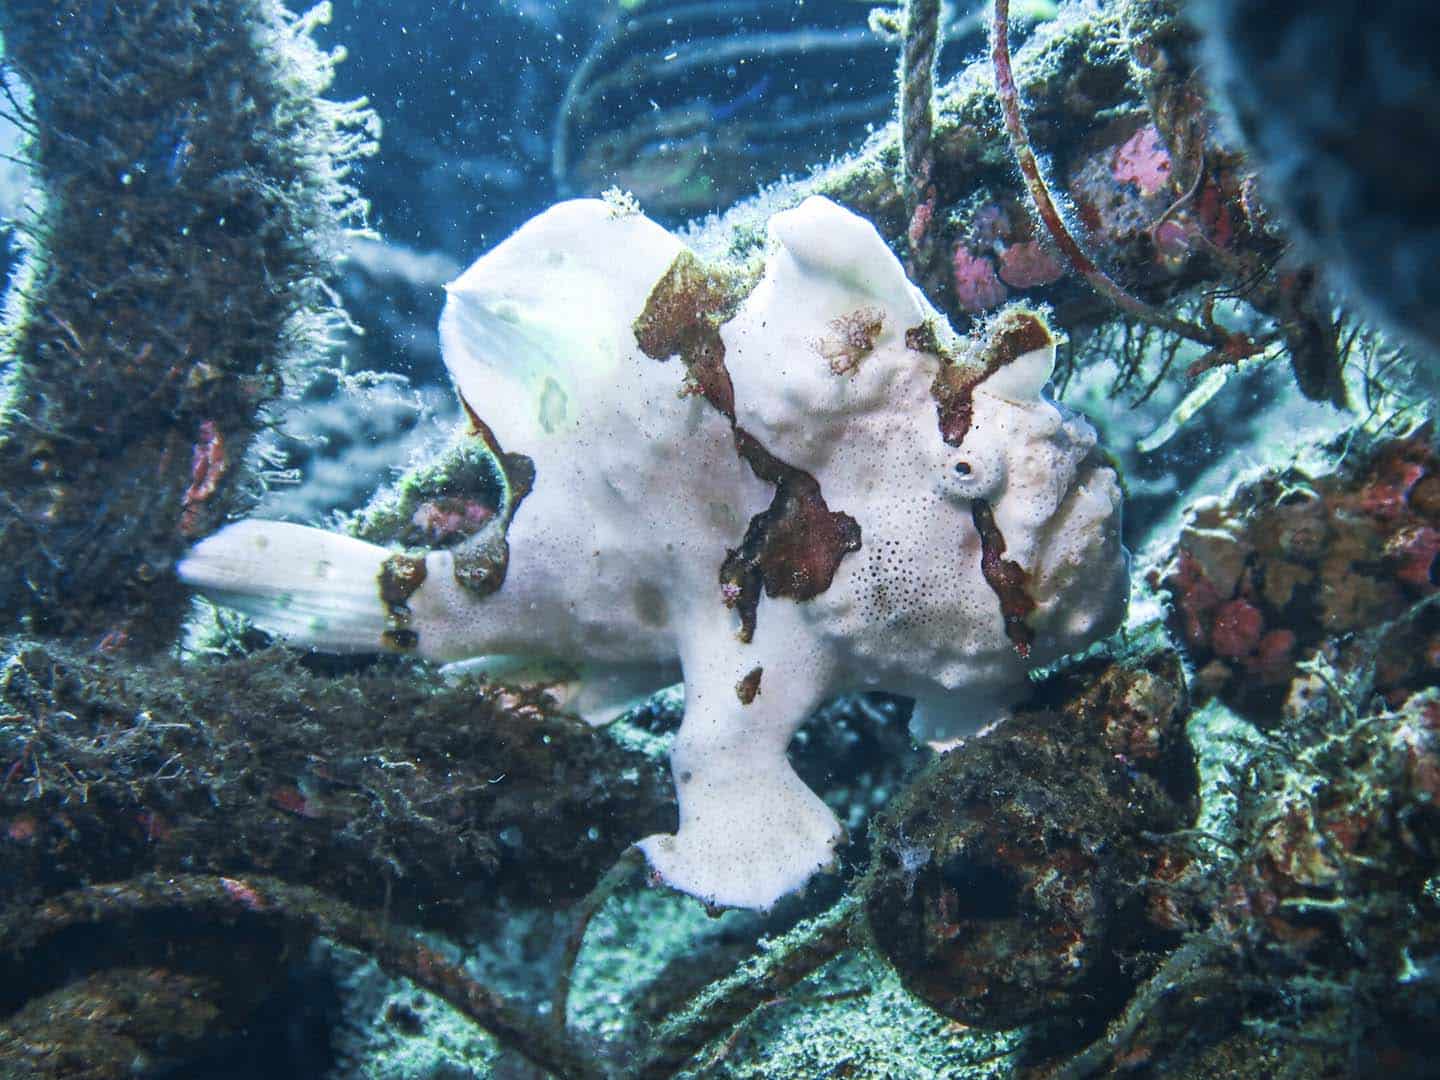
[854, 1019]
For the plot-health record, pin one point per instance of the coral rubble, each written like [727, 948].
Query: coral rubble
[387, 787]
[1310, 910]
[1293, 563]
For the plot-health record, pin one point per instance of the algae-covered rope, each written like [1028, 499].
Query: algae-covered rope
[224, 901]
[917, 123]
[727, 1002]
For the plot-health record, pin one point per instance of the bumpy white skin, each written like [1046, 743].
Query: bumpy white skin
[639, 492]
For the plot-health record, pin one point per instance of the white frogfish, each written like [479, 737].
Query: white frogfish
[780, 485]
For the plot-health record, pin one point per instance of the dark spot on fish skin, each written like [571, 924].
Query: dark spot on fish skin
[482, 561]
[400, 576]
[851, 339]
[748, 688]
[923, 338]
[1012, 335]
[518, 470]
[793, 547]
[1006, 578]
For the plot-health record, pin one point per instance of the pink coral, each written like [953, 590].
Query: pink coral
[1143, 161]
[1389, 496]
[1195, 597]
[1273, 657]
[207, 469]
[23, 829]
[976, 286]
[1173, 241]
[989, 225]
[1028, 266]
[244, 894]
[1215, 217]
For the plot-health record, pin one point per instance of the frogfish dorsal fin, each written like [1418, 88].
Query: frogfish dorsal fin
[542, 319]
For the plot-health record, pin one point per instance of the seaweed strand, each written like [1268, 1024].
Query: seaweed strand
[730, 1000]
[1226, 346]
[1191, 965]
[628, 863]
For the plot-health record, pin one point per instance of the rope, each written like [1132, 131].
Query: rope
[917, 124]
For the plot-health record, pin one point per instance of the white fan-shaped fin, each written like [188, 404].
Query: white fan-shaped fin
[308, 586]
[531, 325]
[819, 239]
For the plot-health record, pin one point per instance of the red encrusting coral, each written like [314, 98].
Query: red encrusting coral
[919, 226]
[208, 466]
[1413, 551]
[1236, 628]
[1028, 266]
[443, 521]
[1294, 564]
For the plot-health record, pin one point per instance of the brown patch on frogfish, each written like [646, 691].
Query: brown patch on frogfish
[482, 560]
[1009, 336]
[1006, 578]
[793, 547]
[400, 576]
[683, 316]
[748, 688]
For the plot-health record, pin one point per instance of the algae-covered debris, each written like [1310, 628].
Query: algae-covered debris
[1009, 883]
[173, 920]
[389, 787]
[1159, 194]
[191, 196]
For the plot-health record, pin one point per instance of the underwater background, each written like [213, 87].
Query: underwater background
[1207, 845]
